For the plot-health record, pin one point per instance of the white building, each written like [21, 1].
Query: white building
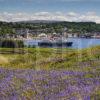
[69, 35]
[42, 35]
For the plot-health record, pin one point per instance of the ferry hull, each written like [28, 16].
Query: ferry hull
[49, 44]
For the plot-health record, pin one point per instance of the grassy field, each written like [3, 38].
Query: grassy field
[50, 74]
[50, 58]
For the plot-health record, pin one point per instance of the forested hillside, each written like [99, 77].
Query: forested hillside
[79, 27]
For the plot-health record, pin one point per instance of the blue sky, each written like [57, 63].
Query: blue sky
[81, 7]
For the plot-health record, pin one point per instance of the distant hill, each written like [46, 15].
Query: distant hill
[39, 21]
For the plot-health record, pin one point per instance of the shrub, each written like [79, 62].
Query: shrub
[11, 44]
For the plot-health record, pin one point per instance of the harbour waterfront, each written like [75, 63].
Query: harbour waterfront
[78, 43]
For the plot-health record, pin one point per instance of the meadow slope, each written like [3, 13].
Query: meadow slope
[50, 74]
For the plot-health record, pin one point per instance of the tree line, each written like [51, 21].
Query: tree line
[79, 27]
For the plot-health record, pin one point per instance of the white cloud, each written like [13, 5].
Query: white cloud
[70, 16]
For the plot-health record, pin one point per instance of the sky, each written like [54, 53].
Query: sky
[63, 10]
